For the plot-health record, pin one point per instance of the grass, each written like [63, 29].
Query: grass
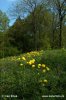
[31, 75]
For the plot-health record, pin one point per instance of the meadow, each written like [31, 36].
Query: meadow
[32, 49]
[33, 74]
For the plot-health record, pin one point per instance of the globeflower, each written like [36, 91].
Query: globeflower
[31, 62]
[47, 68]
[39, 65]
[43, 65]
[21, 64]
[45, 81]
[43, 70]
[33, 66]
[23, 58]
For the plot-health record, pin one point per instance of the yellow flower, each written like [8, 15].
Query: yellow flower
[39, 65]
[43, 65]
[47, 68]
[21, 64]
[31, 62]
[33, 66]
[45, 81]
[43, 70]
[23, 58]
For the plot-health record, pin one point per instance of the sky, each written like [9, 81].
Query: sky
[4, 6]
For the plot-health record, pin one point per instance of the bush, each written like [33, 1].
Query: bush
[9, 51]
[56, 60]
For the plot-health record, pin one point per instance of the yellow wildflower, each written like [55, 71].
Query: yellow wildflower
[47, 68]
[23, 58]
[39, 65]
[43, 65]
[18, 58]
[31, 62]
[43, 70]
[45, 81]
[21, 64]
[33, 66]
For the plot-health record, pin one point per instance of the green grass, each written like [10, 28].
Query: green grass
[23, 81]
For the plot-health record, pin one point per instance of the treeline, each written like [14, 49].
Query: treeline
[39, 25]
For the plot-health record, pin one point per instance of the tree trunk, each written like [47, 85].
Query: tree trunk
[60, 34]
[34, 30]
[53, 38]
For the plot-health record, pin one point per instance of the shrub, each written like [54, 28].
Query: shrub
[9, 51]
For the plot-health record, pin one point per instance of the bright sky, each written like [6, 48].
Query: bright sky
[4, 6]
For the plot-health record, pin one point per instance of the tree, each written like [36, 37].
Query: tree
[34, 29]
[60, 10]
[4, 21]
[20, 35]
[27, 7]
[37, 17]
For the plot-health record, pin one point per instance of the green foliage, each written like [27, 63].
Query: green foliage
[20, 35]
[23, 80]
[6, 49]
[39, 29]
[31, 33]
[4, 21]
[55, 58]
[9, 51]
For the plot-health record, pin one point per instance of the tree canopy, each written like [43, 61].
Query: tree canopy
[40, 24]
[4, 21]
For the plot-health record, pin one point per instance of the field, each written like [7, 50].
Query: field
[34, 74]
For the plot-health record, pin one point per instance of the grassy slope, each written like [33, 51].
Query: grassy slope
[13, 76]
